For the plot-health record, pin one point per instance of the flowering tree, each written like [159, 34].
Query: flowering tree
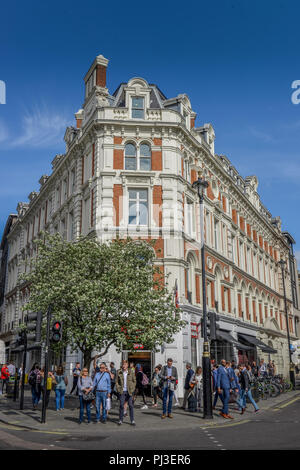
[105, 294]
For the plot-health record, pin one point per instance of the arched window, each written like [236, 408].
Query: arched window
[130, 157]
[145, 157]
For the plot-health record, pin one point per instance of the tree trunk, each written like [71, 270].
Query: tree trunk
[87, 358]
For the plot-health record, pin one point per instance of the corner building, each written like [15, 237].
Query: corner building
[128, 170]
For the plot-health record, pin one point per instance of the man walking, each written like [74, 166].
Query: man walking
[224, 387]
[125, 386]
[246, 390]
[102, 384]
[169, 377]
[113, 376]
[188, 378]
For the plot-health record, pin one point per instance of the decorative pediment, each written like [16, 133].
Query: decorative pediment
[271, 324]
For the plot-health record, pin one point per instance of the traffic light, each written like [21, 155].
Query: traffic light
[34, 325]
[212, 325]
[56, 335]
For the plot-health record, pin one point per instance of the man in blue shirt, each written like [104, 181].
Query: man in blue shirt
[224, 386]
[102, 384]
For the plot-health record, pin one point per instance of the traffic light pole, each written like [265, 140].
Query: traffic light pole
[206, 366]
[23, 371]
[43, 420]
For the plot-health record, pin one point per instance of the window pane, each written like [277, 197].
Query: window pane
[130, 163]
[143, 213]
[133, 194]
[138, 102]
[143, 194]
[132, 213]
[145, 150]
[130, 150]
[138, 113]
[145, 164]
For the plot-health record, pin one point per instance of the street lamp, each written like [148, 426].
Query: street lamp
[292, 373]
[201, 185]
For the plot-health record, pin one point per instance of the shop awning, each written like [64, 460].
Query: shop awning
[258, 343]
[224, 335]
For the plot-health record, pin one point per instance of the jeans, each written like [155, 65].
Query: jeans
[167, 392]
[101, 400]
[75, 382]
[244, 395]
[36, 394]
[126, 397]
[225, 399]
[83, 404]
[60, 398]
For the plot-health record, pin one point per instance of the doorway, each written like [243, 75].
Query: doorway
[146, 360]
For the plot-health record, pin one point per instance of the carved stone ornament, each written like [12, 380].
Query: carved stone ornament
[209, 263]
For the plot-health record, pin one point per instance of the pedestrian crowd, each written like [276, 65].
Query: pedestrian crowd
[230, 383]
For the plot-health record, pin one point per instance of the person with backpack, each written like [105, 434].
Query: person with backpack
[61, 382]
[141, 382]
[34, 380]
[102, 387]
[84, 387]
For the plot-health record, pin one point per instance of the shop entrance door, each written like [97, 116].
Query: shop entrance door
[145, 359]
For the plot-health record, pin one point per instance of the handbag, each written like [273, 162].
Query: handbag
[88, 396]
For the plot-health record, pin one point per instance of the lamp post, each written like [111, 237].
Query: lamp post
[201, 185]
[292, 372]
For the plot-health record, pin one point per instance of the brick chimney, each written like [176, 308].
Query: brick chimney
[96, 75]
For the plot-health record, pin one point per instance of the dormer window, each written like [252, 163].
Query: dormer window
[137, 108]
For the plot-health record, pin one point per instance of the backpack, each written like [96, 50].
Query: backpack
[145, 380]
[32, 379]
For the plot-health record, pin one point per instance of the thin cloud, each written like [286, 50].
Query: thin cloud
[263, 136]
[41, 128]
[3, 132]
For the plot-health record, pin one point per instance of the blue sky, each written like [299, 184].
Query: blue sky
[236, 60]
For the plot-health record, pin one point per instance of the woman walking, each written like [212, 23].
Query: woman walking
[61, 382]
[84, 387]
[156, 386]
[140, 387]
[197, 382]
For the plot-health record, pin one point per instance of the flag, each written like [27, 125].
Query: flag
[176, 295]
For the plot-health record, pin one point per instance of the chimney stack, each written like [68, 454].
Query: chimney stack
[96, 75]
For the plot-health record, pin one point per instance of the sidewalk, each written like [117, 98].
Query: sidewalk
[66, 422]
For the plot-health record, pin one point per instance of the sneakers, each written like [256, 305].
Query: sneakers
[223, 415]
[145, 407]
[120, 422]
[163, 416]
[133, 423]
[230, 417]
[256, 411]
[170, 416]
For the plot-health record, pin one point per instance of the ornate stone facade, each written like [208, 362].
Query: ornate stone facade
[128, 169]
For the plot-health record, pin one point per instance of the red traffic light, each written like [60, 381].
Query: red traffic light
[56, 326]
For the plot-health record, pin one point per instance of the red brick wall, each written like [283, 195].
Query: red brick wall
[197, 282]
[101, 75]
[242, 224]
[117, 203]
[157, 160]
[157, 205]
[118, 159]
[234, 216]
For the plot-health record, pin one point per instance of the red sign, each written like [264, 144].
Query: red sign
[195, 330]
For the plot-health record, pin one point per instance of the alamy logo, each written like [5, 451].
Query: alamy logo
[296, 95]
[2, 92]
